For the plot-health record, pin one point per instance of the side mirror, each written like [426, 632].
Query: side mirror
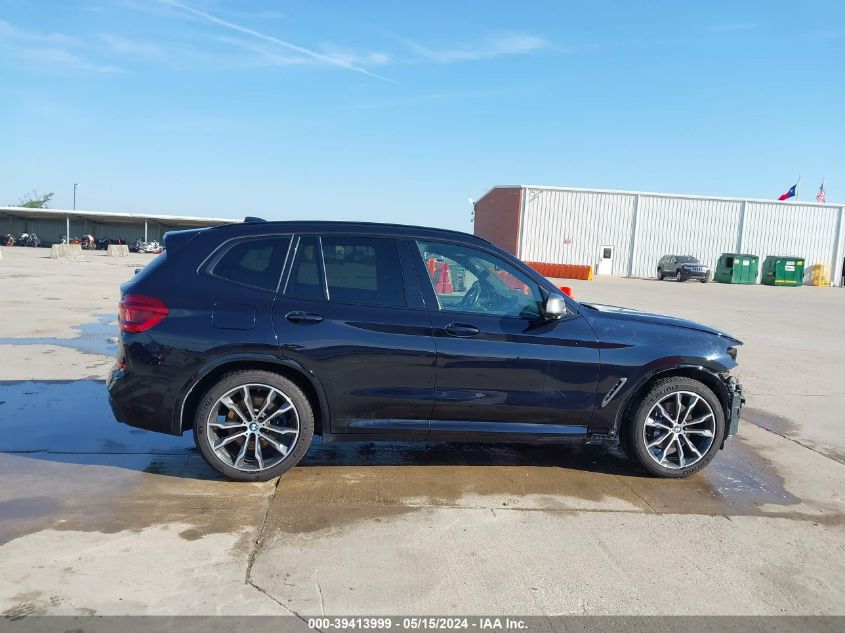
[554, 308]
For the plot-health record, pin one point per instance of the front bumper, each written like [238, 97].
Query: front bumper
[735, 402]
[695, 274]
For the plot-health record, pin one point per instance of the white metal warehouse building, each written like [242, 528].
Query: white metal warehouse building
[576, 226]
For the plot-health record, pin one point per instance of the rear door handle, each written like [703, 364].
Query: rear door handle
[461, 329]
[298, 316]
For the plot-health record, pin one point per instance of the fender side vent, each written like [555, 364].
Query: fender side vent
[612, 393]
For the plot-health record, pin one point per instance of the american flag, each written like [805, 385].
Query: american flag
[820, 194]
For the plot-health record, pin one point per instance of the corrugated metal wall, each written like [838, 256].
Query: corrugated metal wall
[804, 231]
[689, 226]
[570, 226]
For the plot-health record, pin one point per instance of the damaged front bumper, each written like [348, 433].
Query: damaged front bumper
[735, 402]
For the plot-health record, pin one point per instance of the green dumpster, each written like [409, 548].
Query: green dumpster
[736, 268]
[783, 270]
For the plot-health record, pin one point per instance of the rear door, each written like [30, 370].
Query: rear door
[347, 314]
[501, 368]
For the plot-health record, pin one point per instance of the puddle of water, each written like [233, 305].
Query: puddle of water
[113, 493]
[66, 464]
[72, 417]
[73, 467]
[338, 484]
[93, 337]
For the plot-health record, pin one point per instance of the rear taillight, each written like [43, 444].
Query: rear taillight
[139, 313]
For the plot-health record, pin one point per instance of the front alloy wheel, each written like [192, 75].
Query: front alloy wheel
[679, 276]
[677, 428]
[253, 425]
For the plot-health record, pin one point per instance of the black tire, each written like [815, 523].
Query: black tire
[659, 275]
[634, 442]
[704, 281]
[679, 276]
[233, 380]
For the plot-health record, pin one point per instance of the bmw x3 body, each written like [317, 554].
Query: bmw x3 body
[257, 336]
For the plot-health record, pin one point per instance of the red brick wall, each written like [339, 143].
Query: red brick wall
[497, 218]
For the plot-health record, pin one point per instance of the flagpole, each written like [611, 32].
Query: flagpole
[797, 186]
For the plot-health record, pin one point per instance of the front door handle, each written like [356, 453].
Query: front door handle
[461, 329]
[297, 316]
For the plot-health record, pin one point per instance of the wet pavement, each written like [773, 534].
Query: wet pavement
[97, 517]
[98, 337]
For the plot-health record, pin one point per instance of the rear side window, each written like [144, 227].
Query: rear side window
[305, 280]
[363, 270]
[254, 262]
[355, 270]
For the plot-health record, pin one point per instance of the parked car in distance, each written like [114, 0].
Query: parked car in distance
[258, 336]
[682, 268]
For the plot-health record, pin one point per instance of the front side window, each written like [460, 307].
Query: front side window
[363, 270]
[469, 280]
[254, 262]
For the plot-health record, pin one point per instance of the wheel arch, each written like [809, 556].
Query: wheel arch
[696, 372]
[186, 410]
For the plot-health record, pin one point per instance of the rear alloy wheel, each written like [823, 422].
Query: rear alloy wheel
[659, 275]
[677, 428]
[253, 425]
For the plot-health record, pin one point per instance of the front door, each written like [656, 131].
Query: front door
[500, 366]
[346, 315]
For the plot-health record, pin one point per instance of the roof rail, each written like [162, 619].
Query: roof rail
[252, 218]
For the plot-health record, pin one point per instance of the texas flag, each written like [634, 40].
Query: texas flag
[789, 194]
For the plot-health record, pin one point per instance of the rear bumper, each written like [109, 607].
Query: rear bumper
[132, 403]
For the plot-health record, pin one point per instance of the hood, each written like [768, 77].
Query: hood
[628, 314]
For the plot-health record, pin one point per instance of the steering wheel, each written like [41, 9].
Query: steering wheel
[472, 297]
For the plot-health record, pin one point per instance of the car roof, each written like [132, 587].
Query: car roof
[364, 228]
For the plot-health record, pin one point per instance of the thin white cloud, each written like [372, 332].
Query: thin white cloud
[370, 58]
[508, 44]
[433, 98]
[270, 57]
[734, 27]
[48, 51]
[11, 32]
[274, 40]
[132, 47]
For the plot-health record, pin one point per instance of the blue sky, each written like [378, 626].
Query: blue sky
[401, 111]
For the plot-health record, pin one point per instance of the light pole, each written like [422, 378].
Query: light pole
[67, 217]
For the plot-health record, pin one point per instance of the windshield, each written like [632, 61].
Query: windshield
[686, 259]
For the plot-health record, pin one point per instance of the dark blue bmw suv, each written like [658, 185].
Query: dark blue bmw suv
[257, 336]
